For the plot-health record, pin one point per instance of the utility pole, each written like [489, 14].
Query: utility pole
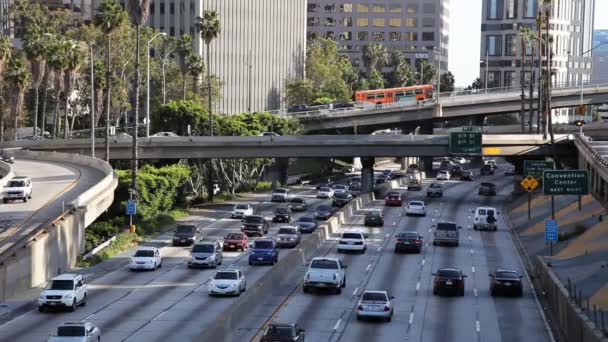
[92, 105]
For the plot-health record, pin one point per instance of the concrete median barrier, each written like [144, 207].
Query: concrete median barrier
[6, 173]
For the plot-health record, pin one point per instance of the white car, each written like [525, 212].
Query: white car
[460, 160]
[375, 304]
[146, 258]
[269, 134]
[18, 188]
[76, 332]
[164, 134]
[227, 282]
[326, 273]
[352, 241]
[325, 192]
[66, 290]
[490, 162]
[280, 195]
[485, 218]
[443, 175]
[340, 188]
[242, 210]
[415, 208]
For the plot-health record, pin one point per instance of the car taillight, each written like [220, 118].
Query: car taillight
[386, 308]
[360, 307]
[400, 241]
[418, 242]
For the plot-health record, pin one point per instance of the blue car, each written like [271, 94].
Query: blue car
[264, 251]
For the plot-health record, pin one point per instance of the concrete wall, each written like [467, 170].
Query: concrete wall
[55, 247]
[6, 173]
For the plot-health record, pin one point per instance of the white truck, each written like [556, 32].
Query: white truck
[325, 273]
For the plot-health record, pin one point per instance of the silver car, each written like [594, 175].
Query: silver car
[76, 332]
[375, 304]
[206, 254]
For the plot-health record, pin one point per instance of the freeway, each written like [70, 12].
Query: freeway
[419, 315]
[53, 185]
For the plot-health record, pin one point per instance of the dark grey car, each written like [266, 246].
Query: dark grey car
[185, 235]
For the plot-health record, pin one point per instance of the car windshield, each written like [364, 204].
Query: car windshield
[281, 210]
[226, 275]
[61, 285]
[507, 275]
[352, 236]
[306, 219]
[296, 200]
[413, 181]
[490, 212]
[263, 244]
[448, 273]
[446, 226]
[15, 184]
[203, 248]
[482, 211]
[487, 184]
[324, 189]
[374, 296]
[339, 186]
[374, 213]
[341, 195]
[144, 253]
[407, 235]
[279, 331]
[186, 229]
[287, 231]
[71, 331]
[324, 264]
[280, 191]
[254, 219]
[434, 185]
[234, 236]
[241, 206]
[323, 208]
[416, 204]
[393, 194]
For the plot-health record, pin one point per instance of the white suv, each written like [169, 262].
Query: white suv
[242, 210]
[485, 218]
[146, 258]
[66, 290]
[18, 188]
[325, 272]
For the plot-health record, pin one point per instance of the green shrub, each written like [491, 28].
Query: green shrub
[263, 186]
[579, 229]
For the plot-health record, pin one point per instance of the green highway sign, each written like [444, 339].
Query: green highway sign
[465, 143]
[535, 168]
[471, 128]
[565, 182]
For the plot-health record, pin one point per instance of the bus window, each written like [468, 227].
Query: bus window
[418, 91]
[380, 95]
[371, 96]
[400, 93]
[409, 93]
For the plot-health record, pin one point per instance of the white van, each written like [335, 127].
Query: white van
[446, 233]
[485, 218]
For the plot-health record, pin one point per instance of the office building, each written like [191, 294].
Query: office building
[415, 27]
[571, 26]
[600, 56]
[261, 44]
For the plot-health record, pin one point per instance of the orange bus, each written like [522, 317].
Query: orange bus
[403, 94]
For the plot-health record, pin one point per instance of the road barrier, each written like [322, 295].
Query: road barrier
[6, 172]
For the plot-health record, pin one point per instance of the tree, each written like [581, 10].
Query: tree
[138, 11]
[404, 75]
[447, 82]
[165, 51]
[109, 16]
[376, 80]
[298, 92]
[427, 73]
[196, 68]
[476, 85]
[72, 67]
[57, 61]
[36, 49]
[183, 49]
[5, 56]
[19, 78]
[374, 57]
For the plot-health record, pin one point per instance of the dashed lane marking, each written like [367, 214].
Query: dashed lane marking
[422, 262]
[475, 292]
[473, 269]
[477, 326]
[337, 324]
[417, 286]
[411, 318]
[368, 268]
[355, 291]
[159, 315]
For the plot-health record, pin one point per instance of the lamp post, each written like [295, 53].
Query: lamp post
[438, 55]
[148, 83]
[485, 61]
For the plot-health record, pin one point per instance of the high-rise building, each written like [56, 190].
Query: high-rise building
[600, 56]
[261, 44]
[571, 28]
[418, 28]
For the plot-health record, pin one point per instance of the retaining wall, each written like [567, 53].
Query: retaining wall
[53, 248]
[6, 173]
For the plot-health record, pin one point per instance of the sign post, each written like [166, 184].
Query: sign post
[131, 209]
[529, 183]
[551, 233]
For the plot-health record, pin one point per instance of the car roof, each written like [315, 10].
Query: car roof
[66, 276]
[503, 270]
[290, 227]
[264, 240]
[206, 242]
[486, 208]
[325, 258]
[75, 323]
[227, 270]
[282, 324]
[446, 221]
[352, 232]
[449, 269]
[376, 291]
[146, 248]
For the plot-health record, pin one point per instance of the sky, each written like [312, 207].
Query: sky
[465, 36]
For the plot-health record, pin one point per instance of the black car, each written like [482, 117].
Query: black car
[341, 199]
[506, 282]
[306, 224]
[185, 235]
[374, 218]
[282, 214]
[381, 179]
[279, 332]
[323, 212]
[487, 188]
[342, 104]
[254, 224]
[486, 170]
[408, 242]
[456, 171]
[298, 108]
[448, 280]
[466, 176]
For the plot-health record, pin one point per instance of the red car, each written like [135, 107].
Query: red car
[235, 242]
[393, 198]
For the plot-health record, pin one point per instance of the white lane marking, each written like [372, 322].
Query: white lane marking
[337, 324]
[386, 235]
[159, 315]
[379, 249]
[430, 230]
[355, 291]
[470, 237]
[395, 223]
[471, 251]
[473, 269]
[475, 292]
[200, 287]
[422, 262]
[411, 318]
[417, 286]
[89, 316]
[368, 268]
[477, 326]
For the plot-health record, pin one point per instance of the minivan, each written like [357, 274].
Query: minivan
[446, 233]
[206, 254]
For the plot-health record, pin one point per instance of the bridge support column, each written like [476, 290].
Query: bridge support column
[367, 174]
[426, 163]
[277, 174]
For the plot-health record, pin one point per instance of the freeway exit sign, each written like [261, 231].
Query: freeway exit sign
[565, 182]
[535, 168]
[465, 143]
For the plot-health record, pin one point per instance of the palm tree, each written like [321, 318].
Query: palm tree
[165, 51]
[36, 46]
[183, 49]
[56, 61]
[138, 11]
[72, 66]
[19, 78]
[196, 67]
[109, 17]
[209, 27]
[5, 55]
[374, 57]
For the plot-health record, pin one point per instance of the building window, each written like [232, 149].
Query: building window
[529, 46]
[172, 31]
[530, 7]
[428, 36]
[346, 8]
[511, 10]
[362, 22]
[329, 21]
[313, 7]
[362, 8]
[509, 45]
[362, 36]
[162, 8]
[509, 75]
[378, 36]
[394, 8]
[412, 8]
[394, 36]
[411, 22]
[378, 8]
[494, 9]
[493, 45]
[346, 35]
[330, 8]
[428, 22]
[411, 36]
[151, 9]
[379, 22]
[346, 22]
[527, 77]
[330, 35]
[171, 8]
[313, 21]
[394, 22]
[428, 8]
[493, 79]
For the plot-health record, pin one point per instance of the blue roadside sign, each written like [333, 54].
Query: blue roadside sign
[131, 207]
[550, 230]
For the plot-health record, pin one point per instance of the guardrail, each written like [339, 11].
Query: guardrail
[99, 248]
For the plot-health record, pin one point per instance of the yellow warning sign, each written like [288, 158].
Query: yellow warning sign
[492, 151]
[529, 183]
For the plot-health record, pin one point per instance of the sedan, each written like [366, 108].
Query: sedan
[506, 282]
[373, 218]
[448, 280]
[510, 171]
[235, 242]
[352, 241]
[415, 208]
[146, 258]
[227, 282]
[393, 198]
[288, 236]
[408, 242]
[341, 199]
[375, 304]
[306, 224]
[466, 176]
[443, 175]
[325, 192]
[283, 332]
[323, 212]
[297, 204]
[76, 332]
[282, 214]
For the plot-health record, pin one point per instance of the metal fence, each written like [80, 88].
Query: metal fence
[598, 315]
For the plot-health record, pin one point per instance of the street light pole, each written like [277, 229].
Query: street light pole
[438, 69]
[148, 82]
[487, 66]
[92, 104]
